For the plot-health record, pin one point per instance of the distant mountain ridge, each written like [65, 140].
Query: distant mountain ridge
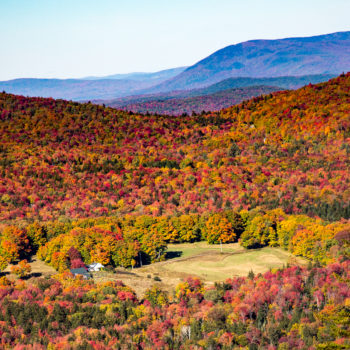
[72, 89]
[88, 88]
[323, 54]
[137, 76]
[212, 98]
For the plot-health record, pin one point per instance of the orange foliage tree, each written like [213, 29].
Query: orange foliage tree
[219, 229]
[22, 269]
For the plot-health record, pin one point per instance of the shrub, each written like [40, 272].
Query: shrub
[22, 270]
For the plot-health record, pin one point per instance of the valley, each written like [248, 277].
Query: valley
[220, 229]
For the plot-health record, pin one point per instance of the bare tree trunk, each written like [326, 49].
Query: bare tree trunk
[140, 259]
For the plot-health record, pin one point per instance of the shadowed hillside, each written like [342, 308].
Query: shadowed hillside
[197, 104]
[212, 98]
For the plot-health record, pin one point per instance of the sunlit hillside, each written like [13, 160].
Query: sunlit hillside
[287, 149]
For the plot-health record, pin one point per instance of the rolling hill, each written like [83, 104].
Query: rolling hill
[212, 98]
[289, 149]
[324, 54]
[81, 183]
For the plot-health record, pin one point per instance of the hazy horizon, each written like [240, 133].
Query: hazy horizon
[65, 39]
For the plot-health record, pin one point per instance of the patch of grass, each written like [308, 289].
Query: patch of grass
[185, 250]
[209, 264]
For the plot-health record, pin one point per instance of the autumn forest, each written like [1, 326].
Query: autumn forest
[83, 183]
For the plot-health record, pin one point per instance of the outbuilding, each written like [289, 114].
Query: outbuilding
[81, 272]
[95, 267]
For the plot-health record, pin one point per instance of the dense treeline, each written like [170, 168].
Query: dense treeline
[136, 240]
[61, 159]
[292, 308]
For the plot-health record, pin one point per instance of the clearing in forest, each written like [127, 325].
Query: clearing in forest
[209, 262]
[213, 265]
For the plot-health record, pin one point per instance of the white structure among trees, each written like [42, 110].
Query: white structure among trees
[95, 267]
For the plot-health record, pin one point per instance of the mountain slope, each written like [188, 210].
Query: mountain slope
[289, 150]
[189, 104]
[283, 82]
[212, 98]
[324, 54]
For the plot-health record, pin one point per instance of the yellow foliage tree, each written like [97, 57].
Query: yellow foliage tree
[219, 230]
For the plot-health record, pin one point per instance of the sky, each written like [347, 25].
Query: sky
[78, 38]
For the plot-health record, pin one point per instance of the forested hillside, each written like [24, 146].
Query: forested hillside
[81, 183]
[294, 308]
[69, 160]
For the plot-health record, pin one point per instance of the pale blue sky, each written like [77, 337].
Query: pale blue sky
[77, 38]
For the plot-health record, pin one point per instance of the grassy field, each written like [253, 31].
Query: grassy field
[211, 263]
[186, 250]
[204, 261]
[39, 269]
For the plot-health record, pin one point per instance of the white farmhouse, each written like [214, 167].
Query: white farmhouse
[95, 267]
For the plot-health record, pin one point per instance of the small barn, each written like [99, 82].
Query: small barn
[81, 272]
[95, 267]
